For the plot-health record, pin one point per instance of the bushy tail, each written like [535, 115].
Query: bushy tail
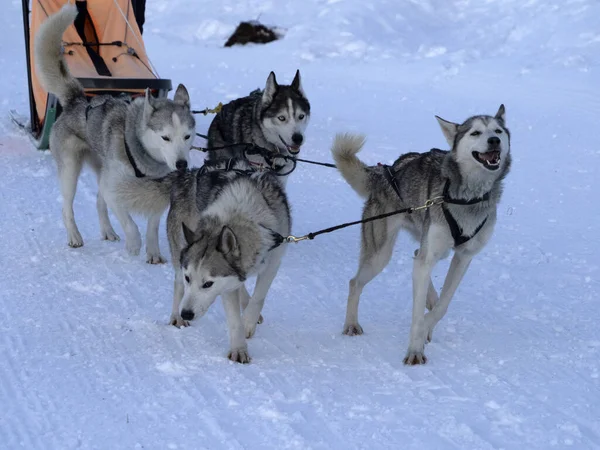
[344, 150]
[50, 64]
[147, 195]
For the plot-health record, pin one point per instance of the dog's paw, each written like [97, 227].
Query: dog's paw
[75, 240]
[239, 355]
[155, 259]
[352, 329]
[110, 235]
[178, 322]
[414, 358]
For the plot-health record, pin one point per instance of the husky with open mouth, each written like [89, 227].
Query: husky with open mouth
[466, 182]
[274, 119]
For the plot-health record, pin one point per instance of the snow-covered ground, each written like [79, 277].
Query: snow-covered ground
[87, 359]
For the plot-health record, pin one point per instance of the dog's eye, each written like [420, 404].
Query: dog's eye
[475, 133]
[282, 118]
[301, 116]
[166, 138]
[187, 279]
[207, 285]
[187, 136]
[498, 131]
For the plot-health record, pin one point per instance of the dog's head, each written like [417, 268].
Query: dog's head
[169, 128]
[209, 266]
[481, 143]
[285, 112]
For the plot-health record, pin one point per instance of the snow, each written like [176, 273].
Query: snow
[87, 359]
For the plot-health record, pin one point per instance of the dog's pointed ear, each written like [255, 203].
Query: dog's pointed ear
[190, 236]
[297, 84]
[270, 89]
[501, 114]
[182, 97]
[227, 241]
[449, 129]
[148, 104]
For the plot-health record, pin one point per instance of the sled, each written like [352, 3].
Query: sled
[103, 49]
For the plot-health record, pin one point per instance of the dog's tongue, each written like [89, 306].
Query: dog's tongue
[492, 156]
[294, 148]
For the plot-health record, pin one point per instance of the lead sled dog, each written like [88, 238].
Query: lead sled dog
[468, 178]
[126, 144]
[222, 227]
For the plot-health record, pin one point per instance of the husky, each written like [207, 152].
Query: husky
[126, 144]
[222, 228]
[466, 183]
[274, 119]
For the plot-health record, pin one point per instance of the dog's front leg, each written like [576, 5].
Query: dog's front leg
[153, 255]
[176, 318]
[133, 240]
[458, 268]
[245, 299]
[263, 283]
[420, 278]
[238, 351]
[435, 244]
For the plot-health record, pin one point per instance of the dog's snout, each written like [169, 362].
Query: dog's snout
[187, 314]
[181, 164]
[297, 138]
[494, 141]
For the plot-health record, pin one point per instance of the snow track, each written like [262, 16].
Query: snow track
[88, 361]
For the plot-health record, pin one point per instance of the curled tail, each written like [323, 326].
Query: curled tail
[147, 195]
[50, 64]
[344, 150]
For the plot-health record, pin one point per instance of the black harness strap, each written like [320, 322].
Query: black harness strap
[455, 229]
[389, 175]
[460, 201]
[138, 172]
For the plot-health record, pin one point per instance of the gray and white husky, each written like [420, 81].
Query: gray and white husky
[126, 144]
[274, 119]
[468, 178]
[222, 227]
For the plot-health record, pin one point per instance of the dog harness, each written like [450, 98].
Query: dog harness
[455, 229]
[138, 172]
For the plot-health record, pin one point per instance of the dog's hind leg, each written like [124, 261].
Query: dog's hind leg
[107, 231]
[69, 163]
[375, 254]
[238, 351]
[153, 255]
[458, 267]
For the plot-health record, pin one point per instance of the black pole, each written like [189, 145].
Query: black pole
[35, 123]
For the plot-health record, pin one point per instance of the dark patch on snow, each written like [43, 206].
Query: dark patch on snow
[254, 32]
